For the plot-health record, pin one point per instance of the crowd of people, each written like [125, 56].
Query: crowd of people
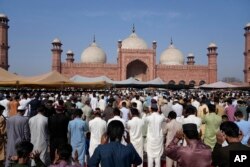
[123, 127]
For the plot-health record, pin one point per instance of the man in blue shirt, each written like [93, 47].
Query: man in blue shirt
[244, 126]
[114, 153]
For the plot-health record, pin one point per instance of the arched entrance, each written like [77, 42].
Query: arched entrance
[138, 70]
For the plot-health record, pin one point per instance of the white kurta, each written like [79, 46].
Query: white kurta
[97, 127]
[155, 135]
[39, 136]
[135, 127]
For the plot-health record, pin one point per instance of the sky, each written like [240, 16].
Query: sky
[192, 24]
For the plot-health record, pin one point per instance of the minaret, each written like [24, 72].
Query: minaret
[247, 54]
[212, 63]
[190, 59]
[70, 57]
[56, 55]
[154, 46]
[4, 41]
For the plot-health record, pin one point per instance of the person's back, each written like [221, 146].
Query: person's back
[230, 133]
[57, 125]
[115, 154]
[195, 154]
[17, 131]
[13, 107]
[97, 128]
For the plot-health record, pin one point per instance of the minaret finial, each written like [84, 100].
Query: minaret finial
[133, 28]
[171, 42]
[94, 39]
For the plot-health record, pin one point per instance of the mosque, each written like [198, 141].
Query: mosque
[134, 59]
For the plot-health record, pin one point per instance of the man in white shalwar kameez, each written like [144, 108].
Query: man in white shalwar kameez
[97, 128]
[154, 136]
[135, 127]
[39, 135]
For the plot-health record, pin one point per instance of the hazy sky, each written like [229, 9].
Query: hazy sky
[192, 24]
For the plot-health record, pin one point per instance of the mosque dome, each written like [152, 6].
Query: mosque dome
[3, 16]
[172, 56]
[134, 42]
[93, 54]
[56, 40]
[69, 52]
[212, 45]
[247, 25]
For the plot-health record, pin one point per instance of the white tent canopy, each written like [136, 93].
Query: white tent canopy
[218, 85]
[130, 81]
[78, 78]
[156, 81]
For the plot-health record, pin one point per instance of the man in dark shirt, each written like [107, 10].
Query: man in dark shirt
[230, 133]
[34, 104]
[57, 125]
[114, 153]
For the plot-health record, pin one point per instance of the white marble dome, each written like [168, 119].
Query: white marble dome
[172, 56]
[247, 25]
[56, 40]
[93, 54]
[134, 42]
[70, 52]
[3, 16]
[212, 45]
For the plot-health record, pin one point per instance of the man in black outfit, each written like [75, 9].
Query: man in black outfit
[58, 128]
[229, 132]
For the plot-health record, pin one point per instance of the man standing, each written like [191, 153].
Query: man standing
[178, 109]
[244, 126]
[76, 130]
[102, 103]
[154, 136]
[135, 127]
[112, 153]
[195, 154]
[171, 128]
[97, 128]
[57, 125]
[34, 104]
[212, 122]
[5, 103]
[2, 135]
[230, 133]
[87, 111]
[39, 134]
[124, 111]
[18, 130]
[230, 110]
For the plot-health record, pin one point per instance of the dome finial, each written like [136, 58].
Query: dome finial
[94, 39]
[133, 30]
[171, 42]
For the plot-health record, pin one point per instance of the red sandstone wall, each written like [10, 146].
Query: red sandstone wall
[90, 70]
[186, 73]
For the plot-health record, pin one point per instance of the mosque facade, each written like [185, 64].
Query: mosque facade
[134, 59]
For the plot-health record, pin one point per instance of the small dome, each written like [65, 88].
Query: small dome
[190, 55]
[247, 25]
[56, 40]
[70, 52]
[134, 42]
[172, 56]
[3, 16]
[212, 45]
[93, 54]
